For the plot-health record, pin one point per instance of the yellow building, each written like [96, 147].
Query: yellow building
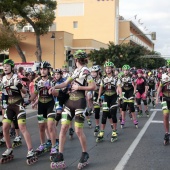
[54, 51]
[130, 33]
[89, 19]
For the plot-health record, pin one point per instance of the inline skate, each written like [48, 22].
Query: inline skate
[71, 132]
[100, 136]
[122, 124]
[96, 130]
[58, 162]
[83, 160]
[43, 148]
[166, 139]
[89, 123]
[54, 151]
[140, 114]
[31, 157]
[7, 156]
[17, 142]
[147, 113]
[153, 103]
[114, 136]
[135, 123]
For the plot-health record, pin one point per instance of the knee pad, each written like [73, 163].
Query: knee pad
[138, 101]
[145, 102]
[104, 117]
[65, 116]
[105, 107]
[41, 119]
[97, 113]
[58, 117]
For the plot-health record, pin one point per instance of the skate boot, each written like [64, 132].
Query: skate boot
[96, 130]
[2, 142]
[31, 157]
[153, 103]
[53, 152]
[147, 113]
[140, 114]
[114, 136]
[166, 139]
[12, 133]
[100, 136]
[83, 160]
[7, 156]
[149, 101]
[71, 132]
[89, 123]
[135, 123]
[130, 115]
[48, 145]
[122, 124]
[120, 118]
[17, 142]
[41, 149]
[58, 162]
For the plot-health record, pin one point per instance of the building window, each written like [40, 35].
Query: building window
[75, 24]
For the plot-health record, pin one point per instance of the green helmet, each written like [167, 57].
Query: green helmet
[126, 67]
[168, 62]
[108, 64]
[9, 61]
[80, 54]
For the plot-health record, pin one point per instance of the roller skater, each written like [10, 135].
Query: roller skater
[128, 97]
[7, 156]
[111, 86]
[58, 162]
[114, 136]
[17, 142]
[83, 160]
[81, 81]
[31, 157]
[96, 130]
[13, 86]
[164, 88]
[71, 132]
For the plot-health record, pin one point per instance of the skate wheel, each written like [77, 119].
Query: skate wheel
[113, 140]
[122, 126]
[166, 143]
[136, 126]
[95, 134]
[52, 165]
[28, 162]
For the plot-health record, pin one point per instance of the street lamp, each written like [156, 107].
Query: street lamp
[53, 38]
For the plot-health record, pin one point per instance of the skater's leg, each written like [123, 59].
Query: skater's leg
[6, 126]
[42, 127]
[166, 121]
[26, 135]
[62, 136]
[52, 131]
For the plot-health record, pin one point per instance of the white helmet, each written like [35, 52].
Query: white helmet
[95, 68]
[165, 78]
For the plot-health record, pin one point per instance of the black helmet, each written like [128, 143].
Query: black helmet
[44, 64]
[58, 70]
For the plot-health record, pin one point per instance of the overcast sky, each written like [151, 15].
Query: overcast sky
[152, 16]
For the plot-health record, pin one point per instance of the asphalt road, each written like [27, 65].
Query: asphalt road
[135, 149]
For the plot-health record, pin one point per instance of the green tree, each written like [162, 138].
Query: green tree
[38, 13]
[134, 55]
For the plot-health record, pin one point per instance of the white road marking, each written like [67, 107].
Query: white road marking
[127, 155]
[157, 121]
[156, 110]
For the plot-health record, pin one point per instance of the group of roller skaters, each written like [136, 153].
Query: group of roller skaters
[60, 97]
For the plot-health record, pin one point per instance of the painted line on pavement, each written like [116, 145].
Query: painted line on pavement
[156, 110]
[157, 121]
[127, 155]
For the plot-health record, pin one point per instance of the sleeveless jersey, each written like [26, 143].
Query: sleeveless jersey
[127, 82]
[41, 88]
[10, 86]
[81, 77]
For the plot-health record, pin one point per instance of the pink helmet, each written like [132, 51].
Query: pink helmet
[139, 71]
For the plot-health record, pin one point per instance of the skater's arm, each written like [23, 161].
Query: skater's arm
[158, 93]
[100, 92]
